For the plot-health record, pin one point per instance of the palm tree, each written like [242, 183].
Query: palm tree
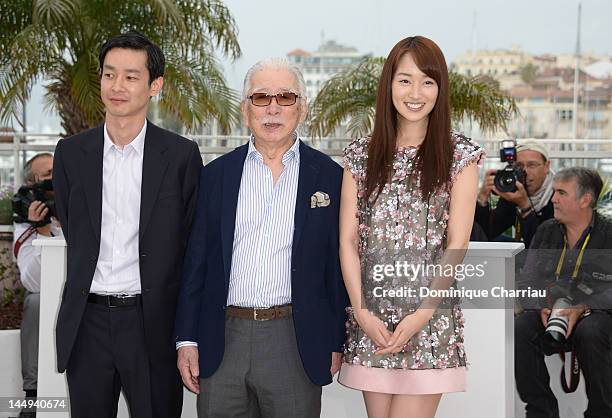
[351, 96]
[58, 41]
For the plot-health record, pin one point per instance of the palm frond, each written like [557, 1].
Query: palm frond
[480, 100]
[18, 75]
[85, 86]
[196, 91]
[350, 97]
[347, 95]
[59, 40]
[54, 13]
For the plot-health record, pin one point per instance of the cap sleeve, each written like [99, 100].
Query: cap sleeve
[467, 152]
[355, 156]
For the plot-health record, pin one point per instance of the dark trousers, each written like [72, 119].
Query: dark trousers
[261, 375]
[29, 341]
[110, 355]
[591, 340]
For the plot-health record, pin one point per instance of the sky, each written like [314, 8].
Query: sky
[271, 28]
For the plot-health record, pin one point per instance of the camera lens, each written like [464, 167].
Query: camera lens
[505, 180]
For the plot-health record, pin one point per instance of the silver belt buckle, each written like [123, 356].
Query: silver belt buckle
[255, 316]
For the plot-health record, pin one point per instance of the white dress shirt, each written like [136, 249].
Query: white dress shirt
[118, 269]
[28, 257]
[260, 276]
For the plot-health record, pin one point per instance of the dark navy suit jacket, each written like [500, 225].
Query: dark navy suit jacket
[318, 295]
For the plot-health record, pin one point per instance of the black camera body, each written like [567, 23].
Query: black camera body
[506, 178]
[41, 191]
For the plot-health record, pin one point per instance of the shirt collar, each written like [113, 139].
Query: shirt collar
[586, 232]
[292, 153]
[137, 143]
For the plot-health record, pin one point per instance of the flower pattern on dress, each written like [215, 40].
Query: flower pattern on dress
[401, 226]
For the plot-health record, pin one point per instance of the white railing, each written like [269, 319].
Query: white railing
[595, 153]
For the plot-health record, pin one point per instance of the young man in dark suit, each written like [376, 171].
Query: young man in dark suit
[261, 312]
[125, 194]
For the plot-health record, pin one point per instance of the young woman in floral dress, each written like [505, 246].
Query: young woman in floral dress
[408, 199]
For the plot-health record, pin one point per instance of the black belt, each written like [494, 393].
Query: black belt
[112, 301]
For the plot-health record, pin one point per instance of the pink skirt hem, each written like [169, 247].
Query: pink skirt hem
[403, 381]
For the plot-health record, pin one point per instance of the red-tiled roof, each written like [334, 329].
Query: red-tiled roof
[299, 52]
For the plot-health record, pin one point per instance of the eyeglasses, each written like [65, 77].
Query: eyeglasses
[531, 165]
[282, 99]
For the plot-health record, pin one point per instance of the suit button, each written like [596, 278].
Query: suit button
[93, 258]
[294, 270]
[143, 255]
[84, 291]
[147, 290]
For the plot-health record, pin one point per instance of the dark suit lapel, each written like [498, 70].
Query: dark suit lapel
[309, 171]
[232, 174]
[91, 172]
[154, 166]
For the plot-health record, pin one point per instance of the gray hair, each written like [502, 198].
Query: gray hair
[28, 174]
[277, 64]
[587, 181]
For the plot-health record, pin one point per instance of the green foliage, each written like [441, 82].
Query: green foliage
[58, 41]
[351, 96]
[529, 73]
[6, 208]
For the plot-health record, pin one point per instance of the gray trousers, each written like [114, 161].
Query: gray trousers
[261, 375]
[29, 340]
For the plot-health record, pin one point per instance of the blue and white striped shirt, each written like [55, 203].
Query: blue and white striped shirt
[260, 274]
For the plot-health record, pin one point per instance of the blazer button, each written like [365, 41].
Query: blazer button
[84, 291]
[294, 270]
[93, 258]
[143, 255]
[147, 290]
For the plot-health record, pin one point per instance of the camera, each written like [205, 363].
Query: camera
[556, 328]
[506, 178]
[41, 191]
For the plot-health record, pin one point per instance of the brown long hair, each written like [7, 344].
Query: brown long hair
[434, 156]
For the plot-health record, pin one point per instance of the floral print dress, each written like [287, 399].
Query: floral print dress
[401, 229]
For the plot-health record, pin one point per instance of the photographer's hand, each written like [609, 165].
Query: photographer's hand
[573, 314]
[519, 197]
[544, 315]
[487, 187]
[36, 213]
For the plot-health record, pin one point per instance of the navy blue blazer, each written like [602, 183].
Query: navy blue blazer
[318, 294]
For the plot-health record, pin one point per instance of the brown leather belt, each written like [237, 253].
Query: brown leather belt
[260, 314]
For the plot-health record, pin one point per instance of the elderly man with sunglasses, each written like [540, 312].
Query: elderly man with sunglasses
[261, 310]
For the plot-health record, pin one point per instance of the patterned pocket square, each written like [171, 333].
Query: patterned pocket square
[319, 200]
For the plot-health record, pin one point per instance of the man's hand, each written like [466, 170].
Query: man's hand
[36, 213]
[544, 315]
[336, 362]
[187, 363]
[573, 314]
[518, 197]
[487, 187]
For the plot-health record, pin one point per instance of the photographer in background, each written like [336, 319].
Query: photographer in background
[569, 257]
[526, 207]
[38, 221]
